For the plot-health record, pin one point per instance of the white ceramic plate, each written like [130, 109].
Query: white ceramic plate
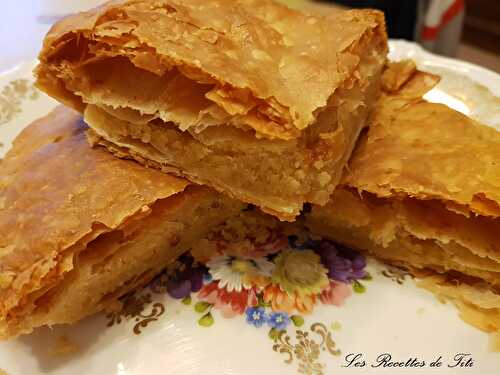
[387, 314]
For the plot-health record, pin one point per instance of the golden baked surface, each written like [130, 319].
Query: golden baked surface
[427, 150]
[197, 62]
[423, 234]
[277, 176]
[79, 227]
[229, 94]
[455, 262]
[50, 199]
[423, 192]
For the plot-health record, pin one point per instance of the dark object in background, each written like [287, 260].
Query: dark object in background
[401, 15]
[482, 24]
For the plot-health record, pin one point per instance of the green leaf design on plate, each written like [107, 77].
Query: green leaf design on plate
[367, 277]
[201, 306]
[273, 334]
[297, 320]
[261, 302]
[206, 320]
[358, 287]
[186, 300]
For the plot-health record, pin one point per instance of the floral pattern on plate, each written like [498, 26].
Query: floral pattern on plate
[12, 97]
[272, 285]
[273, 289]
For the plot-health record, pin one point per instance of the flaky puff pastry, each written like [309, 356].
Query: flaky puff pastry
[252, 63]
[251, 98]
[422, 191]
[427, 150]
[79, 228]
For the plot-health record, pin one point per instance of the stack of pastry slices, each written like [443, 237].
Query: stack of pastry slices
[177, 116]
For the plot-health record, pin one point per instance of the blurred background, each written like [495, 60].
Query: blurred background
[465, 29]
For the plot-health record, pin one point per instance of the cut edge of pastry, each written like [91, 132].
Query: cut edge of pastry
[123, 149]
[478, 305]
[119, 261]
[42, 279]
[425, 233]
[455, 273]
[308, 171]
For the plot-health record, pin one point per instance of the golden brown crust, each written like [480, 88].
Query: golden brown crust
[56, 196]
[274, 174]
[415, 176]
[68, 202]
[269, 113]
[79, 228]
[248, 57]
[422, 233]
[478, 305]
[422, 191]
[428, 243]
[122, 260]
[428, 151]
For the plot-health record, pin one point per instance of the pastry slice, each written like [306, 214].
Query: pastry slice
[79, 228]
[423, 191]
[254, 99]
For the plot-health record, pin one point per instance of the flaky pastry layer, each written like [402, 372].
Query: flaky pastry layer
[199, 63]
[79, 228]
[422, 191]
[423, 234]
[430, 245]
[426, 150]
[226, 93]
[276, 175]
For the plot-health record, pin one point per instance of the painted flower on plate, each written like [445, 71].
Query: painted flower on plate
[336, 294]
[282, 301]
[181, 278]
[236, 274]
[256, 316]
[229, 303]
[343, 264]
[300, 272]
[278, 320]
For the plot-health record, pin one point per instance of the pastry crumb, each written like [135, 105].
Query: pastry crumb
[62, 347]
[3, 372]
